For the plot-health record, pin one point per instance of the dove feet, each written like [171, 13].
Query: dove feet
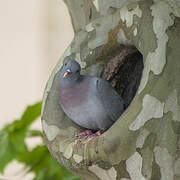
[86, 133]
[98, 133]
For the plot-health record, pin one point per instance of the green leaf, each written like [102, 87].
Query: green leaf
[3, 142]
[12, 137]
[35, 157]
[31, 113]
[34, 133]
[6, 153]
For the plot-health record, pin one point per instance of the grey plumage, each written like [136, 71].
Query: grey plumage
[89, 101]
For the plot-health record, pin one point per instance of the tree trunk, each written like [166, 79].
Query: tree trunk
[144, 143]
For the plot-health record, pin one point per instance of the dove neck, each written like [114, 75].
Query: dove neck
[71, 80]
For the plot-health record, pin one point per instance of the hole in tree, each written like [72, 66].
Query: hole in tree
[124, 71]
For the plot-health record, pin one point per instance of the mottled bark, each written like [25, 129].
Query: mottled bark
[144, 144]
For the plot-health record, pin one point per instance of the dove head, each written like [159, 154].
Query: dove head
[70, 71]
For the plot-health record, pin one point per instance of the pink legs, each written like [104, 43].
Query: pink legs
[98, 133]
[83, 134]
[89, 134]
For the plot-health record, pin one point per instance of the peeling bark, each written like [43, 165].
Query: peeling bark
[144, 144]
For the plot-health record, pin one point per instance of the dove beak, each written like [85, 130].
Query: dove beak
[66, 73]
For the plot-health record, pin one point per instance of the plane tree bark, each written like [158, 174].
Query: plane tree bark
[111, 37]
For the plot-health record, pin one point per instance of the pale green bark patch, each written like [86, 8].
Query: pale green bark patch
[104, 174]
[51, 131]
[69, 151]
[135, 32]
[152, 108]
[89, 27]
[127, 16]
[165, 162]
[141, 138]
[171, 104]
[134, 167]
[121, 37]
[96, 4]
[147, 163]
[77, 158]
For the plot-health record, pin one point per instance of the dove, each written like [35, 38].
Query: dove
[89, 101]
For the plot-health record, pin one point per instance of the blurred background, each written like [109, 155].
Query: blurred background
[33, 36]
